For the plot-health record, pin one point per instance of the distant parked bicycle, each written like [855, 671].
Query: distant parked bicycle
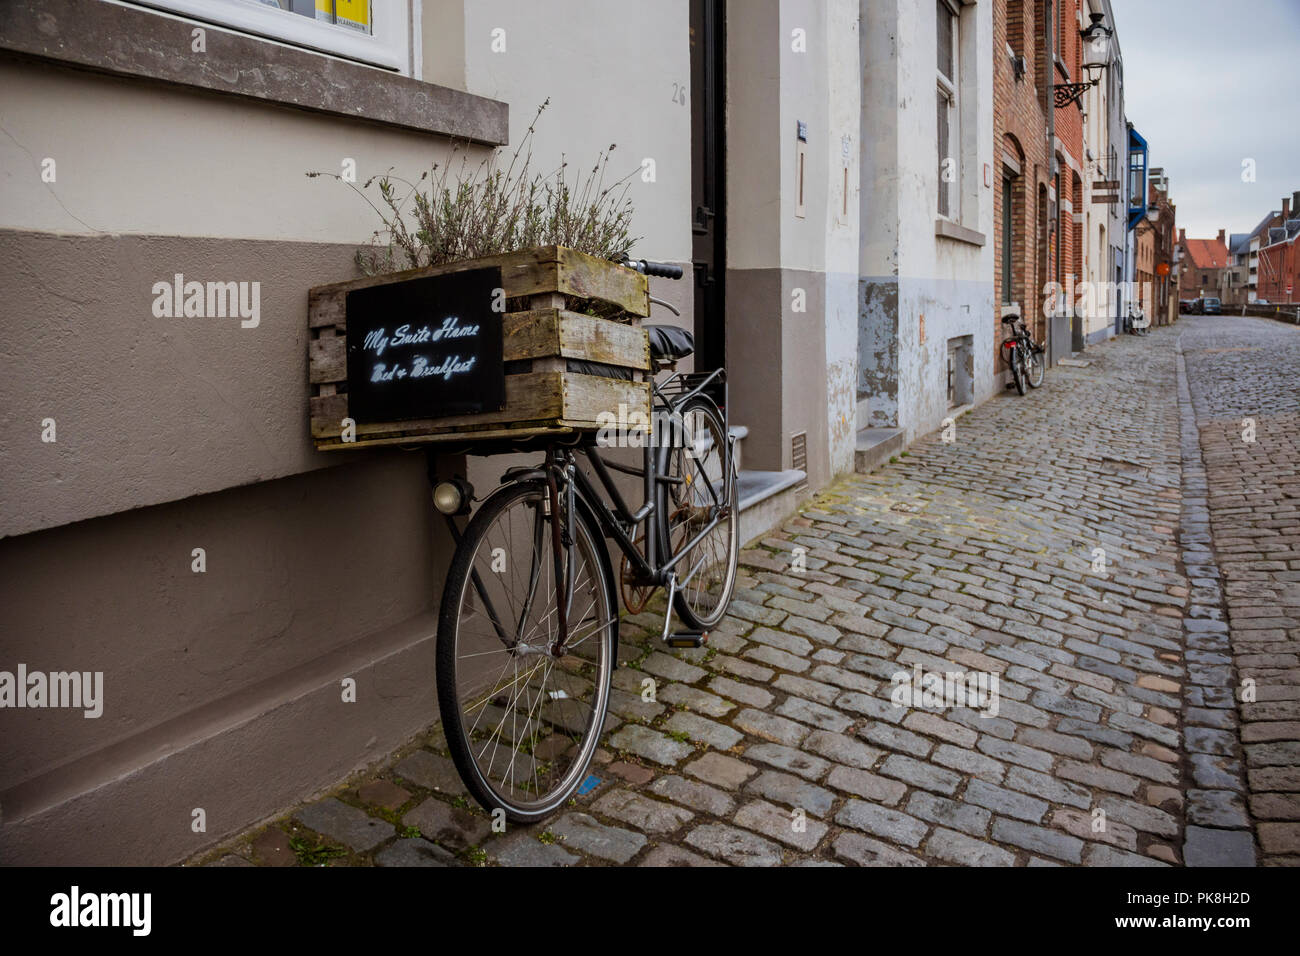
[1023, 354]
[1136, 321]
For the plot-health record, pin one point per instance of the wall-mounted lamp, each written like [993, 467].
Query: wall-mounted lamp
[1096, 57]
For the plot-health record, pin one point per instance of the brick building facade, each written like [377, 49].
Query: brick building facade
[1279, 265]
[1202, 265]
[1022, 198]
[1038, 207]
[1162, 218]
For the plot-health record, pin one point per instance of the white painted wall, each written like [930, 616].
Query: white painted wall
[615, 72]
[949, 283]
[1098, 270]
[842, 228]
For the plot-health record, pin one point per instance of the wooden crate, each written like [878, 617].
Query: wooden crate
[545, 287]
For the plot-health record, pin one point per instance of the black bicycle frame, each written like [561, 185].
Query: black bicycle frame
[560, 464]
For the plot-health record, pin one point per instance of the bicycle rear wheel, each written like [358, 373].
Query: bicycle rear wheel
[1034, 366]
[700, 486]
[522, 724]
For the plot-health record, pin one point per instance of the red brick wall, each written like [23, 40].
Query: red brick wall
[1019, 128]
[1279, 266]
[1069, 134]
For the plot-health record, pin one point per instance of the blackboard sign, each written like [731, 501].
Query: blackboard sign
[425, 348]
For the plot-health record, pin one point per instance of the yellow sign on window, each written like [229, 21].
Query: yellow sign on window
[354, 14]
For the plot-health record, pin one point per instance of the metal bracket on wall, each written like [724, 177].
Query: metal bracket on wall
[1067, 93]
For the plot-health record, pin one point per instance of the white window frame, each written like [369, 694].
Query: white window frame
[387, 47]
[950, 87]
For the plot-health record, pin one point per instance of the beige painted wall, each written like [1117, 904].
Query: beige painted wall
[754, 148]
[610, 71]
[133, 157]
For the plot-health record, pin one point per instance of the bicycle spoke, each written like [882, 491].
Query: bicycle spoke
[529, 726]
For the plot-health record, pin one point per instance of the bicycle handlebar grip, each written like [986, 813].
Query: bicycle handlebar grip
[661, 269]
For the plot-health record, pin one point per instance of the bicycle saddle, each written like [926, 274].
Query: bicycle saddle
[1010, 319]
[668, 342]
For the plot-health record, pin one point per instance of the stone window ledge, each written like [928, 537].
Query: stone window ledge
[946, 229]
[143, 44]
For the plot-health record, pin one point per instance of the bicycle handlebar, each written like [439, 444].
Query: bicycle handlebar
[650, 268]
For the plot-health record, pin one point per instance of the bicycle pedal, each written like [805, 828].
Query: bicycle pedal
[687, 639]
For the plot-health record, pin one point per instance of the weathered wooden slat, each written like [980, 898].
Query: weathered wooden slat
[525, 273]
[544, 332]
[591, 278]
[327, 359]
[325, 308]
[536, 403]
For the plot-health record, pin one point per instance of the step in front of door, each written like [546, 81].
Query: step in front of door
[766, 498]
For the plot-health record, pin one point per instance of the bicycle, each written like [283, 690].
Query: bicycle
[1136, 322]
[1023, 354]
[523, 676]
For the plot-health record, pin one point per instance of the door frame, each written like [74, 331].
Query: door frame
[709, 180]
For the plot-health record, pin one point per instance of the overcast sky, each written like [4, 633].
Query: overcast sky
[1210, 84]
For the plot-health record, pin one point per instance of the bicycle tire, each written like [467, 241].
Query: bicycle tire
[690, 614]
[588, 535]
[1017, 369]
[1036, 367]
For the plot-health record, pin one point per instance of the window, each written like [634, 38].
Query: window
[370, 31]
[949, 137]
[1008, 248]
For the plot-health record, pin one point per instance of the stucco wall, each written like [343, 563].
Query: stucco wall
[610, 72]
[844, 93]
[944, 286]
[792, 344]
[184, 433]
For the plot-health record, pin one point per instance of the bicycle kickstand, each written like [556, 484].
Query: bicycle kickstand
[679, 638]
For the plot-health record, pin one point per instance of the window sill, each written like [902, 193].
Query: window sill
[145, 45]
[945, 229]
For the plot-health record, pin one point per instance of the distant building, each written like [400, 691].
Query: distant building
[1279, 262]
[1202, 266]
[1161, 215]
[1259, 238]
[1022, 204]
[1104, 234]
[1144, 265]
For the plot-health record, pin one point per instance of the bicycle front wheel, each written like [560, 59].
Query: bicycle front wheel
[697, 499]
[522, 723]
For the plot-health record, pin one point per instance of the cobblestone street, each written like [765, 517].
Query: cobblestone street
[1109, 546]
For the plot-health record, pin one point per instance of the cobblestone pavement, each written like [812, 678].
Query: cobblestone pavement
[1242, 377]
[1041, 545]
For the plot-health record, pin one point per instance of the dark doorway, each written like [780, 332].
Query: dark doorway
[708, 180]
